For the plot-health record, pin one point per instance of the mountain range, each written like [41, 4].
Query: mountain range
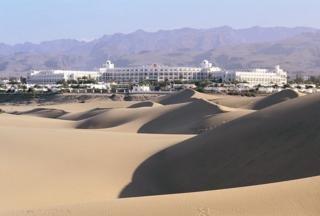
[296, 49]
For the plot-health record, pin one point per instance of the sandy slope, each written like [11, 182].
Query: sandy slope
[182, 113]
[181, 118]
[183, 96]
[299, 197]
[77, 116]
[275, 144]
[44, 167]
[184, 120]
[192, 117]
[219, 119]
[255, 103]
[25, 121]
[271, 100]
[145, 104]
[82, 107]
[251, 103]
[45, 161]
[235, 101]
[71, 107]
[130, 118]
[43, 112]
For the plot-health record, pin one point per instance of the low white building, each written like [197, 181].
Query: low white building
[263, 77]
[4, 81]
[157, 72]
[45, 77]
[160, 73]
[138, 89]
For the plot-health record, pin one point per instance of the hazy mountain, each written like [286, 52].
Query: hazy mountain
[297, 49]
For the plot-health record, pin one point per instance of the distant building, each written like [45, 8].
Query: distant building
[138, 89]
[160, 73]
[157, 72]
[265, 77]
[4, 81]
[44, 77]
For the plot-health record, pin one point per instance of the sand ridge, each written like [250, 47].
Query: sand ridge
[193, 116]
[48, 166]
[145, 104]
[180, 118]
[298, 197]
[276, 98]
[259, 148]
[183, 96]
[99, 153]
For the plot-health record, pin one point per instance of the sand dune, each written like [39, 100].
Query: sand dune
[26, 121]
[235, 101]
[144, 104]
[251, 103]
[70, 107]
[219, 119]
[82, 115]
[192, 117]
[48, 157]
[47, 167]
[94, 104]
[183, 118]
[255, 103]
[275, 144]
[43, 112]
[123, 116]
[274, 99]
[183, 96]
[286, 199]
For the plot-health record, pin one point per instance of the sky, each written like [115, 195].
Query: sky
[43, 20]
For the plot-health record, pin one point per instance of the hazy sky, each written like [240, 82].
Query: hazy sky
[39, 20]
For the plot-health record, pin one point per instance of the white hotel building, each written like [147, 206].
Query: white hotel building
[264, 77]
[157, 72]
[44, 77]
[135, 74]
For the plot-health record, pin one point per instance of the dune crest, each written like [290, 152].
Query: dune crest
[43, 112]
[82, 115]
[202, 154]
[182, 118]
[145, 104]
[273, 99]
[263, 147]
[183, 96]
[298, 197]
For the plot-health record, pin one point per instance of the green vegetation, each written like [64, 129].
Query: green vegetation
[311, 80]
[87, 80]
[202, 84]
[80, 81]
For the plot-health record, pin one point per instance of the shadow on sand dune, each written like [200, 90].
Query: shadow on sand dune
[274, 99]
[43, 112]
[275, 144]
[180, 97]
[83, 115]
[184, 120]
[144, 104]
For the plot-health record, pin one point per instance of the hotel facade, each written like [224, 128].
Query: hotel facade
[157, 72]
[49, 77]
[263, 77]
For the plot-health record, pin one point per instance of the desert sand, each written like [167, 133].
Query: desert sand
[299, 197]
[187, 153]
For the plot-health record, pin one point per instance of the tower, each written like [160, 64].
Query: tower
[109, 65]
